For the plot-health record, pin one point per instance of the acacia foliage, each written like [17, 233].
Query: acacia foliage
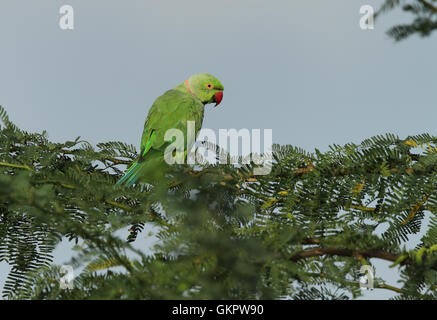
[302, 232]
[423, 24]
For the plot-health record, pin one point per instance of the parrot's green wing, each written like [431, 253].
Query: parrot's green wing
[172, 110]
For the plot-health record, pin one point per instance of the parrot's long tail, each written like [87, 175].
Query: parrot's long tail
[131, 175]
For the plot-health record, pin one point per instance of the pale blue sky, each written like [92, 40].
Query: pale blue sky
[302, 68]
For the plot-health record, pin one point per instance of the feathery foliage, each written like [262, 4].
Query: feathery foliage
[303, 231]
[424, 23]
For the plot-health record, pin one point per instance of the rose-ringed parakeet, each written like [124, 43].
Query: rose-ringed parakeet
[172, 110]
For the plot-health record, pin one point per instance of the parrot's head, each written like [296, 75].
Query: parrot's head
[206, 87]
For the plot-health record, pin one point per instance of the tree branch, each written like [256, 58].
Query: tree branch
[18, 166]
[347, 253]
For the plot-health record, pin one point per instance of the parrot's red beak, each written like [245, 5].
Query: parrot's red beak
[218, 98]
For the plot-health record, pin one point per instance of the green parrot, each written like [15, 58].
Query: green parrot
[172, 110]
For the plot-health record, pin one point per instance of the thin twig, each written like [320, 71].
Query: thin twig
[18, 166]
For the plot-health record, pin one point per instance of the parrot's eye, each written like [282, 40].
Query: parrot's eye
[209, 85]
